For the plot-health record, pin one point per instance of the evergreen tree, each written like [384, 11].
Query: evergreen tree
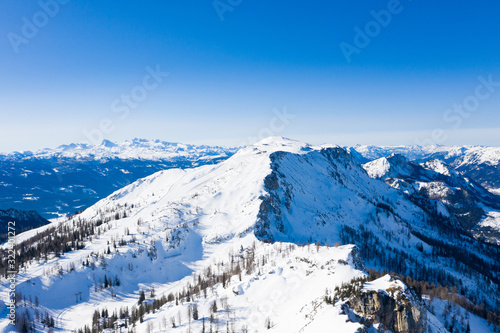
[142, 297]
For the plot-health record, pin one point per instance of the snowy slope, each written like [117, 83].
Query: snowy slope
[390, 167]
[164, 232]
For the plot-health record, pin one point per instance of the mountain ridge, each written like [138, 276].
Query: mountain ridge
[481, 163]
[129, 149]
[172, 227]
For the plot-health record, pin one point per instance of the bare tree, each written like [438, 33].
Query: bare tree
[149, 327]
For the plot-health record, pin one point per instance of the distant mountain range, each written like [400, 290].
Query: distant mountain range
[461, 199]
[72, 177]
[479, 163]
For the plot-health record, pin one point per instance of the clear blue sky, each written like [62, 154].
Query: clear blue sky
[227, 76]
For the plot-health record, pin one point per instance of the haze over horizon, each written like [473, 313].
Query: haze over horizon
[232, 72]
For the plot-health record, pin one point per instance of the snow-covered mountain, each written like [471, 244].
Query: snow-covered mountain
[461, 199]
[480, 163]
[136, 149]
[278, 237]
[72, 177]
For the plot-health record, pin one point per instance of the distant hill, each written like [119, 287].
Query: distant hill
[24, 220]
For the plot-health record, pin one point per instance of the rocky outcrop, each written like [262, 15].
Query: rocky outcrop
[393, 310]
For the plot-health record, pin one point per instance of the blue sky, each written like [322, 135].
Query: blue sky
[233, 65]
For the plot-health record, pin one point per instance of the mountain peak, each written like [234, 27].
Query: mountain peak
[108, 144]
[277, 143]
[396, 158]
[390, 166]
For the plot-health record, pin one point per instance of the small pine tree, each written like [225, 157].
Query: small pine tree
[268, 323]
[142, 297]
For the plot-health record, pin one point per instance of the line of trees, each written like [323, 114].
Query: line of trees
[68, 236]
[238, 264]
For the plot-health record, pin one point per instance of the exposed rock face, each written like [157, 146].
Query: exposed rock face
[398, 315]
